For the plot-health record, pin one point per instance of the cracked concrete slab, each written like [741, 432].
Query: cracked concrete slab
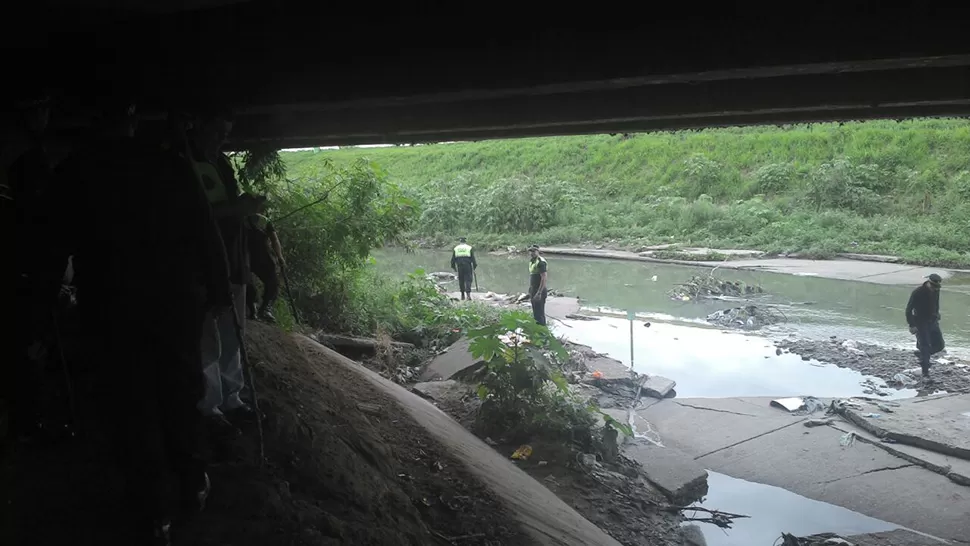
[746, 439]
[682, 479]
[954, 468]
[933, 423]
[798, 459]
[698, 426]
[912, 497]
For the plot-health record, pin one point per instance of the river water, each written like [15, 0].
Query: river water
[670, 338]
[815, 307]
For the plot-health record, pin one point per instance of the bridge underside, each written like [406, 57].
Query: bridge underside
[300, 75]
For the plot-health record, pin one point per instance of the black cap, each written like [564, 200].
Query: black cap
[461, 239]
[934, 278]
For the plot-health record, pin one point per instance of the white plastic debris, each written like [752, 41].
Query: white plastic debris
[847, 439]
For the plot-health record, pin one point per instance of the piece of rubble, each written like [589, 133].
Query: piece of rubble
[656, 386]
[682, 479]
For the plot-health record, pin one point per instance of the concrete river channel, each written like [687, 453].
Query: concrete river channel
[714, 363]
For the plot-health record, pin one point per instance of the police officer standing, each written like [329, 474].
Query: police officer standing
[463, 261]
[537, 284]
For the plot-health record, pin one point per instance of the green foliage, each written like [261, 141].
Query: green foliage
[882, 187]
[523, 392]
[328, 221]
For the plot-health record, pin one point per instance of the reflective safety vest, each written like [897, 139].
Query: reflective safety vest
[534, 265]
[463, 251]
[215, 188]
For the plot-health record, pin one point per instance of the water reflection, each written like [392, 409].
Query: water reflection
[710, 363]
[772, 511]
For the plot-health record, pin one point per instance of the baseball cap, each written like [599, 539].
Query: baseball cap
[533, 247]
[934, 278]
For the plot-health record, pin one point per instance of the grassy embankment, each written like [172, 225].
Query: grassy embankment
[882, 187]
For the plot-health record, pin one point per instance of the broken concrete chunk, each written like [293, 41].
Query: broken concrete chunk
[682, 479]
[441, 391]
[818, 422]
[656, 386]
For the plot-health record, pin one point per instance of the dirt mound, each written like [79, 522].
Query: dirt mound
[342, 467]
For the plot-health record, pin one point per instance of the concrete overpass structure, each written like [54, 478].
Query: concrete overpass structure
[311, 74]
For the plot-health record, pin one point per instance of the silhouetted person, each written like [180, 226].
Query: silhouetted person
[463, 261]
[135, 221]
[923, 317]
[265, 253]
[222, 364]
[26, 177]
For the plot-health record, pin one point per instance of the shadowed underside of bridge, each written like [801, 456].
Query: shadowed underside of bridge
[309, 74]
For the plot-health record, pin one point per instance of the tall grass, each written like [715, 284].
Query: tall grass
[878, 187]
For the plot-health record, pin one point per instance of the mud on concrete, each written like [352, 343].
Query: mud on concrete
[886, 363]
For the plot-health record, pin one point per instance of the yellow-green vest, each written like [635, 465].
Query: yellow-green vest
[534, 265]
[463, 251]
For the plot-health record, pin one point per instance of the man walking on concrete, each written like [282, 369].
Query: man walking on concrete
[537, 284]
[463, 261]
[923, 317]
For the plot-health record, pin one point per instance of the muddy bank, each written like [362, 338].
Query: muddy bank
[591, 472]
[337, 472]
[897, 367]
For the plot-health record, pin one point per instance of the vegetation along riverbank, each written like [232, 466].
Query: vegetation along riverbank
[885, 187]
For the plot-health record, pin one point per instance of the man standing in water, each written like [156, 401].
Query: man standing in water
[463, 261]
[923, 317]
[537, 284]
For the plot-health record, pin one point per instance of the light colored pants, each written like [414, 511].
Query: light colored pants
[221, 363]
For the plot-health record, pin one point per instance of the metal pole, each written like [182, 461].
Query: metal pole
[248, 377]
[631, 315]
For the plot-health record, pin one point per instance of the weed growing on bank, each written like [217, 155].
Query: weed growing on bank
[880, 187]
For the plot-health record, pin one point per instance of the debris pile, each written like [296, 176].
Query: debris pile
[748, 317]
[711, 287]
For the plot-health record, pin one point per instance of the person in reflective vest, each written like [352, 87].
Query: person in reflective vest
[537, 284]
[463, 262]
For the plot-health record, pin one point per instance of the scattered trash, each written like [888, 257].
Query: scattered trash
[437, 466]
[597, 375]
[904, 380]
[587, 459]
[885, 408]
[654, 278]
[872, 415]
[490, 441]
[523, 452]
[712, 287]
[749, 317]
[818, 423]
[799, 406]
[543, 463]
[371, 409]
[847, 439]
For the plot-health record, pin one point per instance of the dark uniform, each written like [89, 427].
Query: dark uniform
[129, 240]
[261, 264]
[923, 315]
[463, 261]
[538, 266]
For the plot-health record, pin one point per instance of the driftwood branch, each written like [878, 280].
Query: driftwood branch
[358, 343]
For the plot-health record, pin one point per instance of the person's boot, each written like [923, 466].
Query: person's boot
[265, 315]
